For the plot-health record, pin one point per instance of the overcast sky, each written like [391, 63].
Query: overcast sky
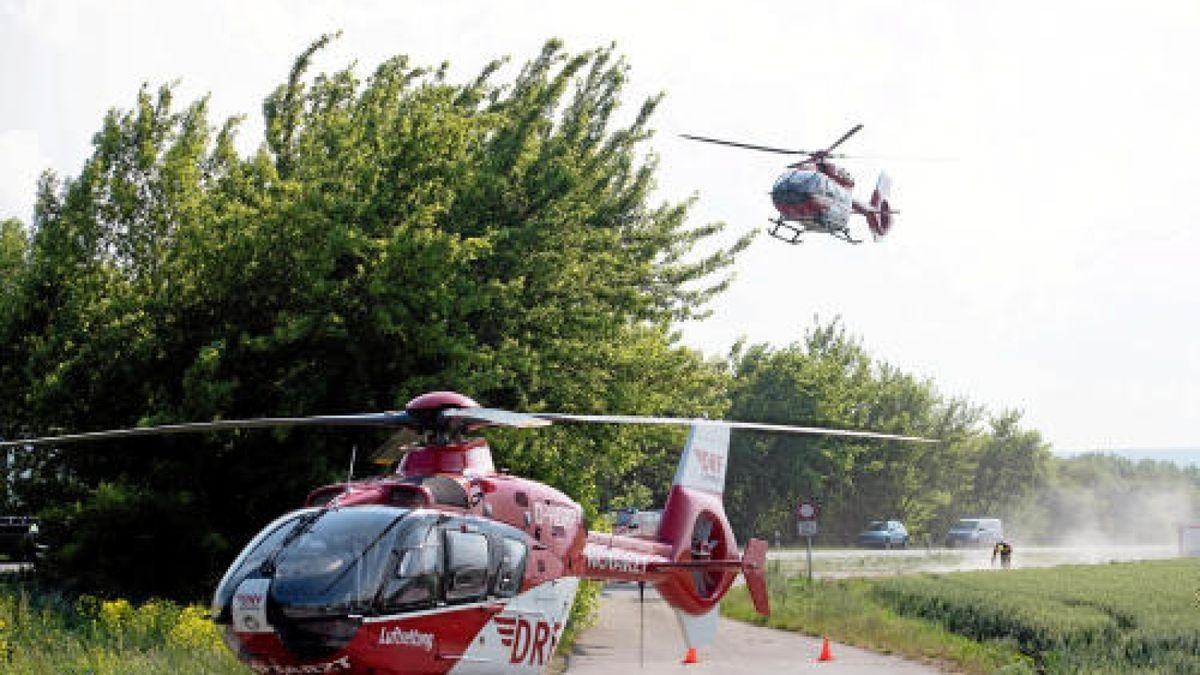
[1046, 260]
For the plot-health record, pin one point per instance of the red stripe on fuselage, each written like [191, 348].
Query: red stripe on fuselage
[429, 643]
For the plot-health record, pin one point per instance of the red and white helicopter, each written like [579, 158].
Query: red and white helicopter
[814, 195]
[448, 566]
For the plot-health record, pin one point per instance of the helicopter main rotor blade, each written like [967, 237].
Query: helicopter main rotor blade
[494, 417]
[469, 418]
[752, 426]
[848, 134]
[381, 420]
[763, 148]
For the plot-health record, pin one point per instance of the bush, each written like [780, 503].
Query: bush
[42, 631]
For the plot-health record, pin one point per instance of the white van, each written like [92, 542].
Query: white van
[975, 532]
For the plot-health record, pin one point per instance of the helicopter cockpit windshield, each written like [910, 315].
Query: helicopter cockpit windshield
[373, 560]
[336, 564]
[319, 561]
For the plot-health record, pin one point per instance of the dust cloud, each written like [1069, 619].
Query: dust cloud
[1100, 516]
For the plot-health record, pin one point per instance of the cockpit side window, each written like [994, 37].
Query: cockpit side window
[418, 573]
[466, 566]
[511, 571]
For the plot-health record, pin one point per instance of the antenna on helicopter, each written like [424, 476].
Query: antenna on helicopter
[353, 456]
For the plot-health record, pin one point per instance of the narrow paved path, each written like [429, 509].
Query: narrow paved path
[611, 646]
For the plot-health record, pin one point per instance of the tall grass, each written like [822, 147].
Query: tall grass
[43, 631]
[1118, 618]
[847, 611]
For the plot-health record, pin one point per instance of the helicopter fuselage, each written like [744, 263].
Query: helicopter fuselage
[444, 566]
[814, 197]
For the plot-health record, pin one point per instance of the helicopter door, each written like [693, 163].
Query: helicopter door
[467, 556]
[417, 579]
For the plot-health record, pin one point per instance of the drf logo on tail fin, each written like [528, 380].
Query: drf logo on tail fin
[529, 642]
[712, 465]
[704, 458]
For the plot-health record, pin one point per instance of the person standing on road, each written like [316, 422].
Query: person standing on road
[1004, 550]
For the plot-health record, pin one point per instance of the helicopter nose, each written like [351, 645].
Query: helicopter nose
[250, 606]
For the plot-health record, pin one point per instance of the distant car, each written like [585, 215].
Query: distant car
[975, 532]
[18, 537]
[636, 522]
[884, 534]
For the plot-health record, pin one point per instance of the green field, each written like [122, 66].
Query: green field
[43, 632]
[1115, 618]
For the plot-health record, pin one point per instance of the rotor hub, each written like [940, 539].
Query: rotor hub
[439, 400]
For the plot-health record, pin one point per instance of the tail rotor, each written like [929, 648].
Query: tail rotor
[706, 548]
[881, 215]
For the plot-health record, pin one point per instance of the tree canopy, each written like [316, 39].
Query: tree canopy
[393, 234]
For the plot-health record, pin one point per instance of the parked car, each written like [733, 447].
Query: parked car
[975, 532]
[18, 538]
[884, 534]
[636, 522]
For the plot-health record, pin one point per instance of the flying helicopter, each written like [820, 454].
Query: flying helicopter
[814, 195]
[450, 566]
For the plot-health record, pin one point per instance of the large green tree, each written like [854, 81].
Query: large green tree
[1011, 465]
[829, 379]
[393, 234]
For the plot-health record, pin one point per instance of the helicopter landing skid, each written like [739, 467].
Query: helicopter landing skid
[784, 231]
[792, 236]
[844, 235]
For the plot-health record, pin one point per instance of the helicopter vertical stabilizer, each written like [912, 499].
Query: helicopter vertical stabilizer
[705, 454]
[880, 217]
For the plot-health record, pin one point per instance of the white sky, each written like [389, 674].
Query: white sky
[1050, 267]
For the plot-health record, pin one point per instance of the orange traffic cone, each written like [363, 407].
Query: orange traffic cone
[690, 657]
[826, 654]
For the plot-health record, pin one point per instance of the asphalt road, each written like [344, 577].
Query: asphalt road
[861, 562]
[612, 646]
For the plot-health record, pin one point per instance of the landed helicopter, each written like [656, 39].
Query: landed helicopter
[449, 566]
[814, 195]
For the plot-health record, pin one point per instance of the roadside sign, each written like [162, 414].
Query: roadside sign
[808, 528]
[808, 509]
